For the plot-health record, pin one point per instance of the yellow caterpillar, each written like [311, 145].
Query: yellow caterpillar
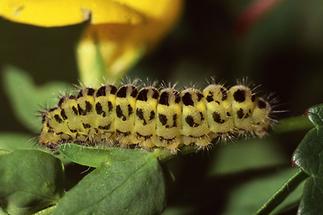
[152, 118]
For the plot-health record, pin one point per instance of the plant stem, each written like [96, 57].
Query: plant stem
[292, 124]
[284, 126]
[92, 70]
[282, 193]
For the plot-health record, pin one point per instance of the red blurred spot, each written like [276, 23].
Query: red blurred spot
[253, 13]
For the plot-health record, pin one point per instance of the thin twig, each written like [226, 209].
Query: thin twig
[284, 126]
[292, 124]
[282, 193]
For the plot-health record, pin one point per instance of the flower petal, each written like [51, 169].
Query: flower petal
[49, 13]
[120, 46]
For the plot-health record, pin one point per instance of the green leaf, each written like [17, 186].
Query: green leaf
[248, 198]
[27, 99]
[282, 193]
[46, 211]
[29, 181]
[315, 114]
[131, 186]
[94, 157]
[2, 212]
[311, 203]
[14, 141]
[308, 155]
[236, 157]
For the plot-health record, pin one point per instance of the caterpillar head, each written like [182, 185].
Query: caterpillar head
[261, 117]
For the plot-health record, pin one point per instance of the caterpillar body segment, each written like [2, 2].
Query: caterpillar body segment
[73, 127]
[87, 115]
[105, 100]
[125, 115]
[169, 119]
[48, 136]
[242, 107]
[145, 119]
[219, 109]
[152, 118]
[194, 123]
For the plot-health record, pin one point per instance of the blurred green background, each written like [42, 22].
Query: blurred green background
[282, 50]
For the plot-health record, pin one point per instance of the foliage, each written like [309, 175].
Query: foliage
[132, 181]
[124, 181]
[247, 199]
[31, 185]
[308, 157]
[26, 97]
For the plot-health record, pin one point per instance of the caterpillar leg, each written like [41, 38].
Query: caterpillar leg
[146, 142]
[171, 144]
[200, 142]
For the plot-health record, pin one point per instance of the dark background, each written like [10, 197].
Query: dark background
[281, 49]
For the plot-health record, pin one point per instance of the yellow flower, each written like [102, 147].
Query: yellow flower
[120, 31]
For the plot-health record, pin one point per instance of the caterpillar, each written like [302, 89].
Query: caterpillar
[155, 118]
